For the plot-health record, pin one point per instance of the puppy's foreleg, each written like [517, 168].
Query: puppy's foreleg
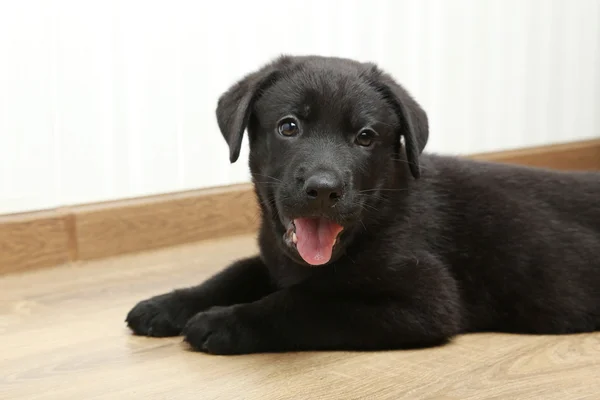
[295, 320]
[165, 315]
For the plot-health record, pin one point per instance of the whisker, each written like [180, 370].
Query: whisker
[362, 223]
[365, 206]
[382, 190]
[369, 207]
[272, 184]
[270, 177]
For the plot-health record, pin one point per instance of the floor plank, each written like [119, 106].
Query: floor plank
[62, 336]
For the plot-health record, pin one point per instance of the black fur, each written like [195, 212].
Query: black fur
[432, 247]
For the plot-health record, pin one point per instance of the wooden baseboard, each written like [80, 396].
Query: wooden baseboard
[36, 240]
[136, 225]
[582, 156]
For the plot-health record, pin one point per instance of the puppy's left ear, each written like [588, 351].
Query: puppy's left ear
[413, 119]
[234, 107]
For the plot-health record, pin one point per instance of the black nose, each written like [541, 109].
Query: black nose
[324, 188]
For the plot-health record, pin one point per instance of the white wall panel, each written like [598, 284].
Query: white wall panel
[102, 100]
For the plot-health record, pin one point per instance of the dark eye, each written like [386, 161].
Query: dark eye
[365, 138]
[288, 127]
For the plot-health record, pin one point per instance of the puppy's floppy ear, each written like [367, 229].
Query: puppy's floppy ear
[413, 119]
[234, 107]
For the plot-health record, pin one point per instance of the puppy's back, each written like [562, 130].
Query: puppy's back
[570, 196]
[525, 242]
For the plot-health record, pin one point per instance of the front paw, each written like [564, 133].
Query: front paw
[158, 316]
[221, 330]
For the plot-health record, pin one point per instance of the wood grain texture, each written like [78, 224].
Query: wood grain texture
[33, 240]
[62, 336]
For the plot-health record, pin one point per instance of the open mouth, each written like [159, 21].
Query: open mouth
[313, 238]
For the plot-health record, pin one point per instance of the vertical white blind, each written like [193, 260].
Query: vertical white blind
[107, 99]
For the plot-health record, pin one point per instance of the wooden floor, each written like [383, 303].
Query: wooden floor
[62, 336]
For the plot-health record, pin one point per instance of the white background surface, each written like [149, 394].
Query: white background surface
[102, 100]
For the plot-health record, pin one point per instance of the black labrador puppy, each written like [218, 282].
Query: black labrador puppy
[367, 244]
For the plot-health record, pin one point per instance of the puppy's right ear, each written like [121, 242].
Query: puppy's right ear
[234, 107]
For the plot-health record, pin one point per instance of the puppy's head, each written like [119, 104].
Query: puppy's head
[325, 139]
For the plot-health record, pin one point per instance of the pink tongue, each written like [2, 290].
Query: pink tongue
[316, 237]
